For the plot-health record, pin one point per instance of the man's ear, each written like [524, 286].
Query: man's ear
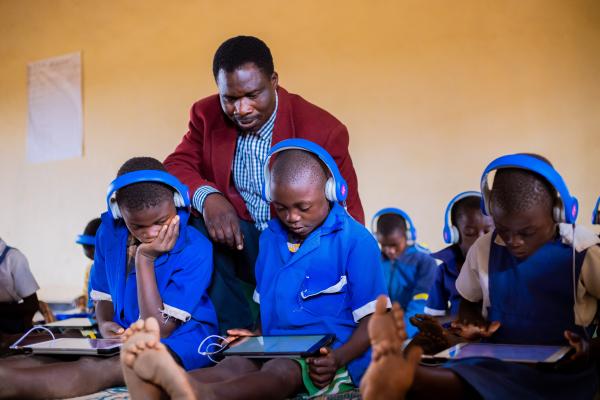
[274, 80]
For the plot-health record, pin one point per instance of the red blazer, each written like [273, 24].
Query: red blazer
[205, 154]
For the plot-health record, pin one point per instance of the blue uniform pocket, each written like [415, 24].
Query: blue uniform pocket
[321, 297]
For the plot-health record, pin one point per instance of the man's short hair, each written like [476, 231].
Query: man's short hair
[388, 223]
[239, 50]
[142, 195]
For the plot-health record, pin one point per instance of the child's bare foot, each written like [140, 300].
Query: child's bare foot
[391, 372]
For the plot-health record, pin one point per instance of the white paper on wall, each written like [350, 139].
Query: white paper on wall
[55, 122]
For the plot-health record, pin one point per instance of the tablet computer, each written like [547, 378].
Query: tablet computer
[520, 353]
[77, 346]
[74, 323]
[278, 346]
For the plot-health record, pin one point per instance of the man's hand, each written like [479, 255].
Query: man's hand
[322, 369]
[222, 222]
[164, 242]
[474, 330]
[111, 330]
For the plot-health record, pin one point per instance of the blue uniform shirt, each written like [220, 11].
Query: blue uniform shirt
[182, 276]
[327, 286]
[408, 279]
[443, 295]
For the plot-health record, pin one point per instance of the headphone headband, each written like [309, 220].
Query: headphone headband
[181, 196]
[596, 213]
[86, 240]
[450, 232]
[411, 231]
[569, 205]
[336, 188]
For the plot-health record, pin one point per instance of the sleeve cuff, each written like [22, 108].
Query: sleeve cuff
[367, 309]
[434, 312]
[256, 297]
[200, 195]
[100, 296]
[176, 313]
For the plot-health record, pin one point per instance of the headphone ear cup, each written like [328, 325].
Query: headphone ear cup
[114, 209]
[178, 200]
[455, 236]
[330, 192]
[558, 214]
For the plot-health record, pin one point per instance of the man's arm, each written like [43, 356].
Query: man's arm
[337, 146]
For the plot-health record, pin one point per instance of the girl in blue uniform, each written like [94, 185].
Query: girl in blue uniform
[317, 272]
[533, 280]
[463, 224]
[408, 269]
[147, 263]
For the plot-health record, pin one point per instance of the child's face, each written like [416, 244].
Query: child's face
[526, 231]
[301, 207]
[145, 224]
[471, 225]
[392, 245]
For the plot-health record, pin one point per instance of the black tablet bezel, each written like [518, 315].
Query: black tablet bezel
[326, 340]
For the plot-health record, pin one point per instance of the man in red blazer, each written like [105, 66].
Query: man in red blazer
[221, 160]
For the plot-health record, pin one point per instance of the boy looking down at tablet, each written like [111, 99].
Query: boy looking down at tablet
[147, 263]
[533, 280]
[317, 272]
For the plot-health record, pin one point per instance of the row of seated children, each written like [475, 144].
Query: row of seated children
[535, 279]
[143, 230]
[419, 281]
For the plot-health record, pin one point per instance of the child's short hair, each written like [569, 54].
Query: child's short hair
[388, 223]
[90, 230]
[295, 165]
[142, 195]
[517, 190]
[463, 206]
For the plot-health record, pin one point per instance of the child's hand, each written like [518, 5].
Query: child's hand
[581, 358]
[164, 242]
[237, 333]
[322, 369]
[474, 330]
[111, 330]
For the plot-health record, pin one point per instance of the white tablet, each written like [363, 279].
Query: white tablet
[520, 353]
[77, 346]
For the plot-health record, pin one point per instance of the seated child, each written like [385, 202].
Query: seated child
[463, 224]
[88, 241]
[518, 282]
[407, 269]
[18, 287]
[147, 264]
[317, 272]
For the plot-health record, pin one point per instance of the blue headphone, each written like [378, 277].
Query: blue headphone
[180, 196]
[450, 232]
[567, 208]
[336, 188]
[89, 240]
[411, 231]
[596, 213]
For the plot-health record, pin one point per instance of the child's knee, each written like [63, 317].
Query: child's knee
[239, 365]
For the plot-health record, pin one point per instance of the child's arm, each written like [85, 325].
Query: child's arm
[322, 369]
[104, 315]
[470, 324]
[149, 300]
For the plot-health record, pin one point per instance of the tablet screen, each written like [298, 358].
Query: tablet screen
[506, 352]
[265, 345]
[78, 344]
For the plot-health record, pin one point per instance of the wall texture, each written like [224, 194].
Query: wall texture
[430, 90]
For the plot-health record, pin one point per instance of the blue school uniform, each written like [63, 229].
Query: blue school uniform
[443, 296]
[408, 279]
[182, 277]
[533, 300]
[327, 286]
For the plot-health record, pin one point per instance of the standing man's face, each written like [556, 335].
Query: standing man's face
[247, 96]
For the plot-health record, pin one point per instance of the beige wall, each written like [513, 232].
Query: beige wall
[430, 90]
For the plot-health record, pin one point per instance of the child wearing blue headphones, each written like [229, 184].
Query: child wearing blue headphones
[463, 224]
[408, 269]
[147, 264]
[317, 272]
[533, 280]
